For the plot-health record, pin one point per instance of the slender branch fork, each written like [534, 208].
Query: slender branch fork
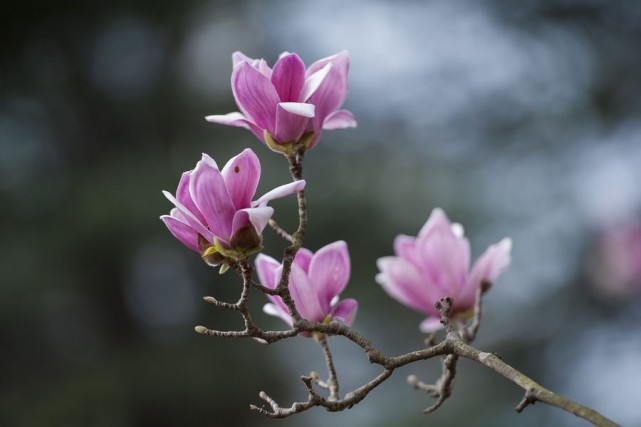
[454, 346]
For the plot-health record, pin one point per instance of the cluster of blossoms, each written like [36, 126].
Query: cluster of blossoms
[287, 108]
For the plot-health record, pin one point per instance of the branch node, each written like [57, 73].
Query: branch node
[528, 399]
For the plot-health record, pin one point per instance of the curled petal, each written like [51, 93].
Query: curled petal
[183, 232]
[340, 60]
[237, 120]
[209, 193]
[266, 269]
[313, 82]
[255, 95]
[339, 119]
[330, 270]
[288, 77]
[291, 121]
[305, 299]
[188, 218]
[403, 282]
[238, 57]
[259, 64]
[241, 175]
[257, 217]
[345, 311]
[332, 91]
[278, 192]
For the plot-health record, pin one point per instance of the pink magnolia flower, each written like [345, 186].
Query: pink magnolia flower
[315, 281]
[214, 208]
[288, 102]
[434, 265]
[616, 267]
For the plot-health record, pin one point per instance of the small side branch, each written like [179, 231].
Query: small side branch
[443, 387]
[332, 381]
[314, 399]
[469, 333]
[280, 231]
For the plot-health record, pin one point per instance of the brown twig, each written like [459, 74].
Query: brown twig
[332, 380]
[280, 231]
[454, 346]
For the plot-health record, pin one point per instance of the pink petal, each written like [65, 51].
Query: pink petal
[291, 121]
[332, 91]
[278, 192]
[340, 59]
[303, 258]
[339, 119]
[489, 265]
[405, 247]
[288, 77]
[269, 273]
[176, 214]
[437, 218]
[259, 64]
[431, 324]
[183, 196]
[345, 311]
[237, 120]
[189, 218]
[266, 269]
[302, 292]
[329, 270]
[209, 193]
[403, 282]
[255, 95]
[241, 175]
[276, 310]
[258, 217]
[313, 82]
[238, 56]
[183, 232]
[445, 258]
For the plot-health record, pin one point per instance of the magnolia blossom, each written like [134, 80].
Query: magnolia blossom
[289, 102]
[435, 264]
[616, 267]
[214, 209]
[315, 281]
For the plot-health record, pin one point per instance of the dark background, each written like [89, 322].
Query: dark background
[520, 119]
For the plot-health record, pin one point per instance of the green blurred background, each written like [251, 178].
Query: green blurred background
[520, 119]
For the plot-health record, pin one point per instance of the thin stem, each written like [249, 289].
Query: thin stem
[332, 381]
[533, 391]
[280, 231]
[455, 347]
[296, 171]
